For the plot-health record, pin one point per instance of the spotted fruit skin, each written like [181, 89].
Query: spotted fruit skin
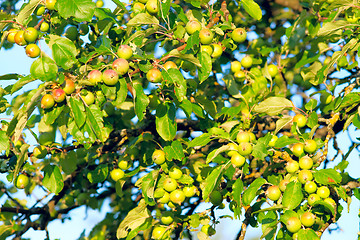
[154, 75]
[239, 35]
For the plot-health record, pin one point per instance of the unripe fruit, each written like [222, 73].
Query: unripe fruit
[216, 198]
[138, 7]
[207, 48]
[330, 201]
[89, 98]
[189, 191]
[71, 33]
[239, 75]
[152, 7]
[170, 184]
[310, 187]
[125, 52]
[177, 196]
[21, 181]
[325, 98]
[308, 219]
[304, 176]
[59, 95]
[47, 101]
[110, 77]
[206, 36]
[192, 26]
[298, 149]
[208, 230]
[44, 27]
[273, 193]
[217, 52]
[313, 198]
[95, 76]
[273, 70]
[237, 160]
[273, 141]
[40, 151]
[154, 75]
[292, 166]
[175, 173]
[11, 35]
[306, 163]
[167, 218]
[40, 11]
[323, 192]
[117, 174]
[310, 146]
[300, 120]
[50, 4]
[238, 35]
[83, 29]
[124, 164]
[158, 232]
[235, 66]
[293, 224]
[30, 34]
[19, 38]
[158, 156]
[245, 148]
[32, 50]
[243, 137]
[121, 66]
[99, 3]
[169, 64]
[69, 86]
[165, 198]
[282, 184]
[247, 61]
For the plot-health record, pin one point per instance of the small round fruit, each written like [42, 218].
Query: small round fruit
[125, 52]
[206, 36]
[245, 148]
[40, 11]
[71, 33]
[32, 50]
[247, 61]
[310, 146]
[323, 192]
[69, 86]
[47, 101]
[169, 64]
[216, 198]
[154, 75]
[235, 66]
[59, 95]
[282, 184]
[298, 149]
[138, 7]
[330, 201]
[21, 181]
[44, 27]
[11, 35]
[273, 70]
[89, 98]
[307, 219]
[207, 48]
[40, 151]
[83, 29]
[238, 35]
[31, 34]
[310, 187]
[152, 6]
[158, 232]
[273, 193]
[293, 224]
[165, 198]
[19, 38]
[239, 76]
[110, 77]
[243, 137]
[208, 230]
[121, 66]
[158, 156]
[99, 3]
[192, 26]
[273, 140]
[94, 77]
[170, 184]
[124, 164]
[304, 176]
[292, 166]
[313, 198]
[300, 120]
[177, 196]
[50, 4]
[190, 191]
[306, 163]
[326, 98]
[117, 174]
[217, 52]
[175, 173]
[237, 160]
[167, 218]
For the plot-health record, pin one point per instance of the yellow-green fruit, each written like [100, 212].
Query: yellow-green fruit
[217, 52]
[238, 35]
[152, 6]
[117, 174]
[235, 66]
[158, 156]
[99, 4]
[273, 70]
[40, 151]
[30, 34]
[177, 196]
[11, 35]
[21, 181]
[247, 61]
[273, 141]
[207, 48]
[239, 75]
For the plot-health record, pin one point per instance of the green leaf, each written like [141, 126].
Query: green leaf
[327, 176]
[99, 174]
[250, 192]
[200, 141]
[143, 18]
[186, 57]
[293, 195]
[232, 86]
[260, 148]
[141, 101]
[330, 28]
[94, 116]
[81, 10]
[175, 151]
[53, 179]
[63, 51]
[288, 214]
[283, 141]
[312, 120]
[307, 234]
[165, 121]
[311, 105]
[78, 111]
[135, 218]
[252, 8]
[148, 186]
[4, 141]
[10, 76]
[349, 99]
[121, 91]
[282, 122]
[175, 77]
[21, 158]
[26, 12]
[273, 105]
[211, 181]
[213, 154]
[52, 114]
[206, 66]
[237, 190]
[44, 68]
[192, 41]
[21, 82]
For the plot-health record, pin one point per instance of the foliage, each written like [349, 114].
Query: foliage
[122, 83]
